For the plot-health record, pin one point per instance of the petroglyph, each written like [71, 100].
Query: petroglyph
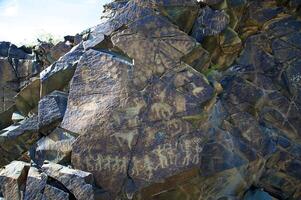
[161, 111]
[163, 159]
[125, 137]
[107, 162]
[168, 156]
[164, 156]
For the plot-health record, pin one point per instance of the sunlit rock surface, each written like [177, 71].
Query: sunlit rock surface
[164, 100]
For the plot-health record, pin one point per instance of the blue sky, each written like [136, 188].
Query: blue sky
[22, 21]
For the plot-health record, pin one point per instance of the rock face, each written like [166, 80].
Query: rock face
[12, 180]
[165, 100]
[51, 110]
[35, 184]
[56, 147]
[17, 139]
[79, 183]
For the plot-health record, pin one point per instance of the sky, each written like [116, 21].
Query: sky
[22, 21]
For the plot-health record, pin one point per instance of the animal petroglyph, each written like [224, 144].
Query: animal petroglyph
[127, 137]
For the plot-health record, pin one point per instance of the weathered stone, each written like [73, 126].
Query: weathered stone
[150, 126]
[257, 194]
[8, 84]
[56, 147]
[123, 16]
[180, 12]
[209, 22]
[13, 180]
[35, 184]
[261, 12]
[159, 51]
[58, 75]
[17, 139]
[4, 46]
[6, 117]
[27, 99]
[10, 50]
[53, 193]
[59, 50]
[51, 110]
[79, 183]
[127, 124]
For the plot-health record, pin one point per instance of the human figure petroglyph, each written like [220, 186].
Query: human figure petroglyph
[171, 154]
[161, 153]
[188, 153]
[111, 163]
[120, 164]
[149, 167]
[107, 163]
[198, 151]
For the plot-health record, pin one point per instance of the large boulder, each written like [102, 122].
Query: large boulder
[58, 75]
[28, 98]
[78, 183]
[209, 22]
[13, 180]
[17, 139]
[35, 184]
[56, 147]
[19, 181]
[158, 110]
[137, 123]
[8, 84]
[6, 117]
[51, 111]
[53, 193]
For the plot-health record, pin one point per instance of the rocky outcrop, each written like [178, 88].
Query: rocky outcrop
[20, 181]
[166, 99]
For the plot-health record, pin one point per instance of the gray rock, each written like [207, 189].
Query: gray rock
[8, 84]
[209, 22]
[56, 148]
[6, 117]
[51, 110]
[35, 184]
[27, 99]
[79, 183]
[148, 98]
[17, 139]
[53, 193]
[13, 180]
[58, 75]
